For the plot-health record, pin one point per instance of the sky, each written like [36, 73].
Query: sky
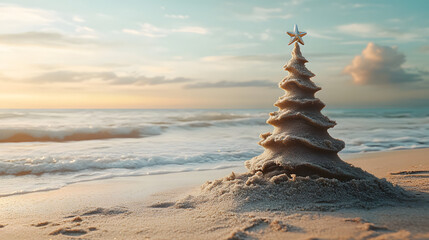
[209, 54]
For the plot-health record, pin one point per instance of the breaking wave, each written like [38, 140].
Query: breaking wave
[42, 165]
[210, 116]
[16, 135]
[78, 134]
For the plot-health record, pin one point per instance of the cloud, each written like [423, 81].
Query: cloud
[268, 57]
[245, 58]
[232, 84]
[360, 29]
[424, 48]
[238, 45]
[78, 19]
[84, 29]
[345, 5]
[265, 36]
[44, 39]
[107, 77]
[316, 34]
[176, 16]
[359, 42]
[86, 32]
[152, 31]
[395, 20]
[131, 31]
[16, 18]
[365, 30]
[196, 30]
[378, 65]
[148, 30]
[264, 14]
[22, 20]
[294, 2]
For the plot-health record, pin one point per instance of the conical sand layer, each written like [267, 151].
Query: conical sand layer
[300, 143]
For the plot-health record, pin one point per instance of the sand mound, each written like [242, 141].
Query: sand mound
[249, 192]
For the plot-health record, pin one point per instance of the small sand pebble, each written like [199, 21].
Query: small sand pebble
[278, 226]
[68, 231]
[355, 220]
[237, 235]
[372, 227]
[77, 219]
[41, 224]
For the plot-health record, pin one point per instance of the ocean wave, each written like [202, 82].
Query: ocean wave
[381, 147]
[208, 116]
[74, 134]
[28, 115]
[94, 176]
[53, 165]
[394, 114]
[223, 123]
[17, 135]
[12, 115]
[21, 192]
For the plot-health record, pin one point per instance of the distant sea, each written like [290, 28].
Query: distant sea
[48, 149]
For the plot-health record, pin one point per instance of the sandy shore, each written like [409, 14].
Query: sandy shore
[143, 208]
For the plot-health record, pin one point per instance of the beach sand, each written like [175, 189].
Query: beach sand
[145, 207]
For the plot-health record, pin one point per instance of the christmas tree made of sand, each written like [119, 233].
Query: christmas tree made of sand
[300, 143]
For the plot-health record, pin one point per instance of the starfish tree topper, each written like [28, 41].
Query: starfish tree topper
[296, 35]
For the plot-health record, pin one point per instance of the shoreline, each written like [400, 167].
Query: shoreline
[348, 157]
[110, 202]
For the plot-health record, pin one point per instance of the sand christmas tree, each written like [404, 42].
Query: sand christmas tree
[300, 167]
[300, 143]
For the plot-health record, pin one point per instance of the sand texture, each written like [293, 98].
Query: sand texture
[155, 207]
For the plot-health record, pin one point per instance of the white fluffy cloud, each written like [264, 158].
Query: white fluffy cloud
[176, 16]
[105, 77]
[44, 39]
[78, 19]
[152, 31]
[31, 26]
[232, 84]
[264, 14]
[379, 65]
[366, 30]
[15, 18]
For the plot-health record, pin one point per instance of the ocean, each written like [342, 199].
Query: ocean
[47, 149]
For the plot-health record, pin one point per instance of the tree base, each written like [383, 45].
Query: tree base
[311, 164]
[271, 169]
[256, 191]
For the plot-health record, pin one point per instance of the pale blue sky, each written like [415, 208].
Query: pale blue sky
[209, 54]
